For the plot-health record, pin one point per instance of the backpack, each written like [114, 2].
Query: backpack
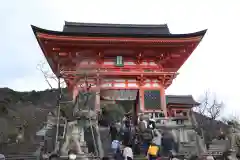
[153, 150]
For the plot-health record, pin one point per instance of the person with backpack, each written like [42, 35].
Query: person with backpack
[147, 137]
[151, 132]
[115, 145]
[113, 131]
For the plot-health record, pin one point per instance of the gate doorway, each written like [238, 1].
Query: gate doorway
[120, 103]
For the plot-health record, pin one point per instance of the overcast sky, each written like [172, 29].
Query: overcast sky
[213, 66]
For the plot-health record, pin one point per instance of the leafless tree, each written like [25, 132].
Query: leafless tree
[49, 77]
[202, 109]
[210, 106]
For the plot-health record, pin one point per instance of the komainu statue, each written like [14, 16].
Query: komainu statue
[84, 117]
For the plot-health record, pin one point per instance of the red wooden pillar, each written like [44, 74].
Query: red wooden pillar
[97, 97]
[141, 97]
[163, 101]
[141, 94]
[99, 61]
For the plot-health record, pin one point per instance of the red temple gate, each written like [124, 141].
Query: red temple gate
[142, 59]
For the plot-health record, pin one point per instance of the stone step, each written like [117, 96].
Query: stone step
[219, 141]
[217, 147]
[216, 150]
[25, 156]
[213, 150]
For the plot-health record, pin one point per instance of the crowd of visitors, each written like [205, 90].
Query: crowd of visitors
[141, 139]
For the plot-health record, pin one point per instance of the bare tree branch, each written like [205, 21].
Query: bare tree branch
[48, 75]
[204, 104]
[210, 106]
[40, 67]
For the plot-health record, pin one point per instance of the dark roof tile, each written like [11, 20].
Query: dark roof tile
[105, 28]
[116, 30]
[181, 99]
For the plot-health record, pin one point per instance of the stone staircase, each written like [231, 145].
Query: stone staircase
[14, 149]
[217, 147]
[187, 149]
[26, 152]
[25, 156]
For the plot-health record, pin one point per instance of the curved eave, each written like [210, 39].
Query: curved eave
[52, 66]
[58, 33]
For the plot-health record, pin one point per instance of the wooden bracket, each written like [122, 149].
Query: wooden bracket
[160, 60]
[166, 80]
[140, 80]
[139, 58]
[100, 57]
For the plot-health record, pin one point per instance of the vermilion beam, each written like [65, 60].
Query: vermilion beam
[117, 39]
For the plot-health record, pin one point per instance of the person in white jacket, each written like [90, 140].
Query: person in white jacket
[2, 157]
[127, 152]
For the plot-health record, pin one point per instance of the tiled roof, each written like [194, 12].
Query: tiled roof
[106, 28]
[117, 30]
[181, 99]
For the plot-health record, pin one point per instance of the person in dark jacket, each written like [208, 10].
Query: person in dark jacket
[113, 131]
[105, 158]
[53, 157]
[118, 155]
[167, 143]
[136, 142]
[127, 133]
